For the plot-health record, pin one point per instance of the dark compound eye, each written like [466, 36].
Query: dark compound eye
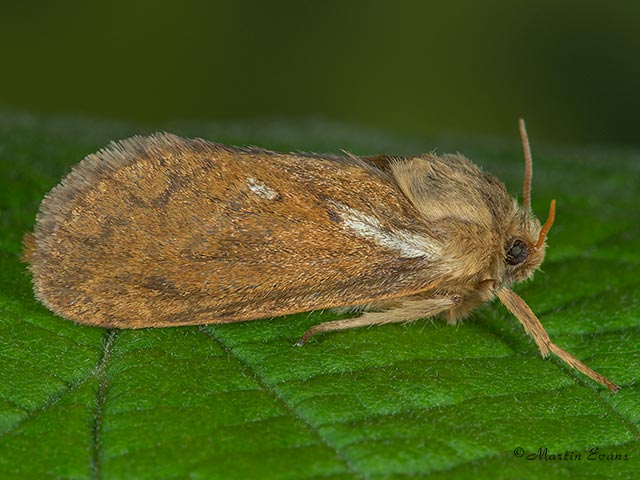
[517, 253]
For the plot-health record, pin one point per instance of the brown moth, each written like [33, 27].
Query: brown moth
[163, 231]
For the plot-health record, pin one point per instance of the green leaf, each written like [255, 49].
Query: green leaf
[396, 401]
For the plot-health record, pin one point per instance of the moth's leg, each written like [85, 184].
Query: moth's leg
[379, 305]
[407, 310]
[533, 327]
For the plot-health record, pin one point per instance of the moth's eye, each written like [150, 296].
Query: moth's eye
[517, 253]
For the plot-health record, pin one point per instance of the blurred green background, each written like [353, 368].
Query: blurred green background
[570, 68]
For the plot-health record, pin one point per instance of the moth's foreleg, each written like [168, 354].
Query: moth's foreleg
[407, 311]
[533, 327]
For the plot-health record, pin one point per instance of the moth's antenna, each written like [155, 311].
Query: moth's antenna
[528, 166]
[526, 188]
[547, 225]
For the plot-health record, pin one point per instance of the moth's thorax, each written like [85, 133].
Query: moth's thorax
[485, 233]
[486, 236]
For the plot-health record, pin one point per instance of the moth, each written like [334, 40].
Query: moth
[162, 231]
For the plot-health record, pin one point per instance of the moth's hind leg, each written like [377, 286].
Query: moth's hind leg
[406, 310]
[377, 306]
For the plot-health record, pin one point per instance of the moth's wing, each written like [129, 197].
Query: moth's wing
[163, 230]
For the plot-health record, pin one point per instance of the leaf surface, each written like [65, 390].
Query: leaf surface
[397, 401]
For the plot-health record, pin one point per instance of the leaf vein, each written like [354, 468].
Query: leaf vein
[274, 391]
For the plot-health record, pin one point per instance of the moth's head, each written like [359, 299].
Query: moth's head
[525, 239]
[525, 244]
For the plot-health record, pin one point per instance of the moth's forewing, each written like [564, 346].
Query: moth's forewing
[162, 230]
